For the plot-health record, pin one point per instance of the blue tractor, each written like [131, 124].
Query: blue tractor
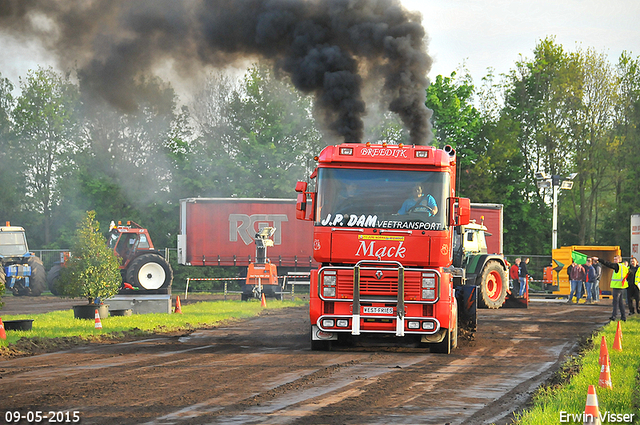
[21, 272]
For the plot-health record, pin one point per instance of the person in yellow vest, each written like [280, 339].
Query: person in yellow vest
[618, 284]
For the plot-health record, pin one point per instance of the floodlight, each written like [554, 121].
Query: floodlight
[541, 175]
[572, 176]
[543, 183]
[566, 184]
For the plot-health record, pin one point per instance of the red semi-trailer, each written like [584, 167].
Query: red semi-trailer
[221, 232]
[383, 225]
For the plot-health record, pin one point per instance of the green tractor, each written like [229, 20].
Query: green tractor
[22, 272]
[488, 272]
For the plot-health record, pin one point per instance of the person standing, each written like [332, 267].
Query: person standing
[633, 293]
[514, 275]
[618, 284]
[590, 272]
[595, 288]
[522, 275]
[576, 278]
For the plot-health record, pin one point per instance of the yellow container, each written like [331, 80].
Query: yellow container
[565, 254]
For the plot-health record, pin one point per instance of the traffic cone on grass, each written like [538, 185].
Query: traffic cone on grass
[178, 308]
[603, 351]
[3, 334]
[264, 300]
[591, 411]
[605, 372]
[98, 322]
[617, 342]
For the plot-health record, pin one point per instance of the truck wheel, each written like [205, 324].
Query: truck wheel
[444, 346]
[319, 345]
[493, 286]
[38, 279]
[52, 278]
[150, 272]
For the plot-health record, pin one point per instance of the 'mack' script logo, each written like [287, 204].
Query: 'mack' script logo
[369, 250]
[245, 226]
[385, 152]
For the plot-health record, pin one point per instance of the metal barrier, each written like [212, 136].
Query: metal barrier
[226, 280]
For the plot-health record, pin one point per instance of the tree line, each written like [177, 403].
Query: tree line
[63, 153]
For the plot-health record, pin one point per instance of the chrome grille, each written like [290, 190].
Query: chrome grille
[372, 286]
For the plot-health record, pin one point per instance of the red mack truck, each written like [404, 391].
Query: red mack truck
[384, 222]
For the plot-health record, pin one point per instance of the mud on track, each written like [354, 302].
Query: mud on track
[262, 371]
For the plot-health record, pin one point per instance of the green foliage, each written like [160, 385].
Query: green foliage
[93, 271]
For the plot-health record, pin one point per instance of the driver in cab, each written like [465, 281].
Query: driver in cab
[419, 202]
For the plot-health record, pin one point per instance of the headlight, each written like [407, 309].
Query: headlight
[329, 280]
[429, 326]
[328, 323]
[342, 323]
[427, 294]
[428, 281]
[329, 291]
[413, 325]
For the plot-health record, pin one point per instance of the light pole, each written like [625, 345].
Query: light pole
[556, 183]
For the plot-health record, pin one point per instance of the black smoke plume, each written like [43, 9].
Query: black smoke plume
[331, 48]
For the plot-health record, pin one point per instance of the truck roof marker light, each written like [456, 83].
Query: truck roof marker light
[422, 154]
[384, 144]
[368, 144]
[315, 158]
[346, 151]
[401, 145]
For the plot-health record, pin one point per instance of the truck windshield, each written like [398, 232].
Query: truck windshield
[12, 243]
[387, 199]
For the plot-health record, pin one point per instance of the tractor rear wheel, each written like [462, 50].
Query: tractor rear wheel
[493, 286]
[52, 278]
[150, 272]
[38, 279]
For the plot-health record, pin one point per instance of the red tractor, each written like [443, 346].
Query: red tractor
[143, 268]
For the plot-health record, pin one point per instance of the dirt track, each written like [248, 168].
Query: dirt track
[262, 371]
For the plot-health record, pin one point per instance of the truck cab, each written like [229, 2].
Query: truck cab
[383, 218]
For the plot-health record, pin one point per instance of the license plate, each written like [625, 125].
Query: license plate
[377, 310]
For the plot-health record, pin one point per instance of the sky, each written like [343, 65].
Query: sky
[495, 33]
[478, 33]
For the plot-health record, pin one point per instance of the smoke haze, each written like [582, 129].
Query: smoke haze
[333, 49]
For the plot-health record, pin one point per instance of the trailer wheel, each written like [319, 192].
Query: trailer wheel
[38, 279]
[150, 272]
[493, 286]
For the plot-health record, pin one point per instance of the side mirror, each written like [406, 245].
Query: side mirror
[460, 209]
[301, 202]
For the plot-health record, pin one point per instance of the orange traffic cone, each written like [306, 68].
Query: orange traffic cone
[3, 334]
[264, 300]
[591, 411]
[178, 308]
[98, 322]
[603, 350]
[617, 342]
[605, 372]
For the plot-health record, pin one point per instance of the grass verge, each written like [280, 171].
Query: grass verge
[565, 402]
[60, 330]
